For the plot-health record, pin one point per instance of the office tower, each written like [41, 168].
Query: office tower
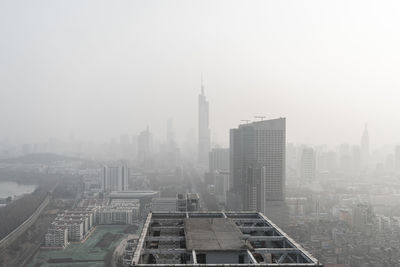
[219, 159]
[145, 147]
[307, 165]
[115, 178]
[365, 147]
[257, 164]
[204, 130]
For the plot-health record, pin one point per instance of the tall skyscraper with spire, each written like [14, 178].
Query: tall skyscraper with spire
[203, 128]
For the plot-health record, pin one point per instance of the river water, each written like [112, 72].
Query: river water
[14, 189]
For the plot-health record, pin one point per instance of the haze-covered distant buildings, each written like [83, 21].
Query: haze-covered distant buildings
[185, 202]
[307, 165]
[219, 159]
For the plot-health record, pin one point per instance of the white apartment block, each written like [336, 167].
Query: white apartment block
[56, 237]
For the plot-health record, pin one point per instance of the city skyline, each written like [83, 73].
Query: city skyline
[200, 133]
[288, 64]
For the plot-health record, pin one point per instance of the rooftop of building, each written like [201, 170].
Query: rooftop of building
[133, 194]
[216, 239]
[213, 234]
[183, 196]
[164, 199]
[270, 123]
[79, 211]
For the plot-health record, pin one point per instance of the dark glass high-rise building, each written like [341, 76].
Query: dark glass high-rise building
[257, 164]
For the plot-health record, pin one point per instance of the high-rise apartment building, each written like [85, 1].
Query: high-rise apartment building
[115, 178]
[257, 164]
[203, 128]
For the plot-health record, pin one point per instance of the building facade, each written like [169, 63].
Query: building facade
[307, 165]
[115, 178]
[120, 211]
[257, 164]
[203, 129]
[187, 202]
[56, 237]
[219, 159]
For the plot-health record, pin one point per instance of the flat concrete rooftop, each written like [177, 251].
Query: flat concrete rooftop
[212, 239]
[213, 234]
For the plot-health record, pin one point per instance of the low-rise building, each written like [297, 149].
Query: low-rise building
[187, 202]
[120, 211]
[164, 204]
[56, 237]
[76, 228]
[71, 225]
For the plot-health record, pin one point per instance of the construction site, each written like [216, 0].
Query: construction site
[216, 239]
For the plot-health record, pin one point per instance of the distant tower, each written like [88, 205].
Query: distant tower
[307, 168]
[204, 130]
[145, 143]
[365, 147]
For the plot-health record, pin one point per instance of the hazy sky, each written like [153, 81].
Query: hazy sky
[100, 69]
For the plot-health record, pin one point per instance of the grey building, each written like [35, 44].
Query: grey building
[203, 128]
[307, 165]
[257, 164]
[145, 148]
[187, 202]
[219, 159]
[115, 178]
[164, 204]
